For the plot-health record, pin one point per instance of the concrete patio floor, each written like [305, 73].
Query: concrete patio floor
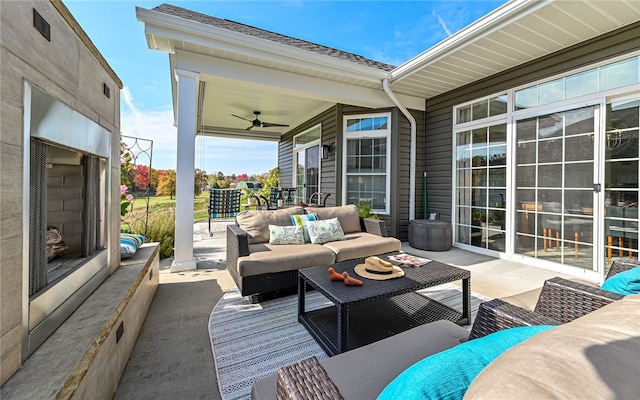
[172, 357]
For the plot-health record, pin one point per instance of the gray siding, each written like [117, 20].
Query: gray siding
[439, 115]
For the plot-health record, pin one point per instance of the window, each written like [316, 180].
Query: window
[367, 161]
[610, 76]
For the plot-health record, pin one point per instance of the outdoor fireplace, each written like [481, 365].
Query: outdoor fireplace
[68, 211]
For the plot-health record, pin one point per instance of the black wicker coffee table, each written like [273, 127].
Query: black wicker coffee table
[377, 309]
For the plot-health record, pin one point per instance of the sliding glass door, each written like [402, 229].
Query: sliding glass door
[554, 193]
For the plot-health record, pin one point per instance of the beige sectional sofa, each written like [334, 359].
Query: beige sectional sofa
[260, 268]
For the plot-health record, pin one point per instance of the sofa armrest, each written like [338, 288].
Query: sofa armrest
[497, 314]
[237, 244]
[564, 300]
[621, 265]
[375, 226]
[306, 379]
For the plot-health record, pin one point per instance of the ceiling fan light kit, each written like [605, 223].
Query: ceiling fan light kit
[256, 123]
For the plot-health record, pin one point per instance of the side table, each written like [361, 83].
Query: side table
[433, 235]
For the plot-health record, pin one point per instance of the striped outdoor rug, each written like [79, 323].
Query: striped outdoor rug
[251, 341]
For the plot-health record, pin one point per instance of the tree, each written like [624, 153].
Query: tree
[199, 181]
[141, 177]
[242, 177]
[154, 178]
[272, 180]
[167, 183]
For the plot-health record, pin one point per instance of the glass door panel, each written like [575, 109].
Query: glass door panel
[312, 172]
[300, 176]
[621, 180]
[307, 173]
[554, 187]
[481, 187]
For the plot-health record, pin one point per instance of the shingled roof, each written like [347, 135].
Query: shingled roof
[272, 36]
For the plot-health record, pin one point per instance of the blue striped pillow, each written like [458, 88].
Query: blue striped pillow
[301, 220]
[128, 247]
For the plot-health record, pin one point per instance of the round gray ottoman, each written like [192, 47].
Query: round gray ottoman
[433, 235]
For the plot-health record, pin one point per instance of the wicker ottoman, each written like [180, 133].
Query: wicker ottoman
[430, 235]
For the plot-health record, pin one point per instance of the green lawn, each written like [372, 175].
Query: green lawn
[201, 204]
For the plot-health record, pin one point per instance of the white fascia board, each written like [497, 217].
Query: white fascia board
[231, 133]
[175, 28]
[488, 24]
[284, 82]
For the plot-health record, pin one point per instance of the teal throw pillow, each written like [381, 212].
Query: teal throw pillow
[325, 230]
[301, 220]
[448, 374]
[285, 235]
[627, 282]
[128, 247]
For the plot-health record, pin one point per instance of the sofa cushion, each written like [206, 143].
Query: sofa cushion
[363, 373]
[325, 231]
[595, 357]
[448, 374]
[624, 283]
[256, 222]
[347, 215]
[267, 258]
[285, 235]
[361, 245]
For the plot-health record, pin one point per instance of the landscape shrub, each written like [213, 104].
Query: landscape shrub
[161, 228]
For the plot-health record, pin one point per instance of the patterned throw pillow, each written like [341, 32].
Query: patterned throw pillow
[285, 235]
[302, 220]
[326, 230]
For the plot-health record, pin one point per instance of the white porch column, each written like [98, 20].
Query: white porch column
[185, 167]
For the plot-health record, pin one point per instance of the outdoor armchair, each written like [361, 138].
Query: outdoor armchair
[309, 378]
[564, 291]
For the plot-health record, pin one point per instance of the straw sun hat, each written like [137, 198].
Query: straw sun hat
[378, 269]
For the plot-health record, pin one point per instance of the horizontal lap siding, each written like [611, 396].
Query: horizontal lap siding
[439, 115]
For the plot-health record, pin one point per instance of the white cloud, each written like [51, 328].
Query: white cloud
[155, 125]
[442, 23]
[211, 154]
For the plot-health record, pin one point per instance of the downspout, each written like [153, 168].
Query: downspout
[412, 152]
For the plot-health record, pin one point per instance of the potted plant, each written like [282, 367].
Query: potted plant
[370, 221]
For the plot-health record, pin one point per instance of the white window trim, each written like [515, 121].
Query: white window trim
[386, 133]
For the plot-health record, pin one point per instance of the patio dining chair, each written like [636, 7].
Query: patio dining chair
[223, 203]
[318, 199]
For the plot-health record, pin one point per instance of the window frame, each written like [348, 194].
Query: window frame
[368, 134]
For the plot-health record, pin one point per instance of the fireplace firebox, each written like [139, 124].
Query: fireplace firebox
[68, 210]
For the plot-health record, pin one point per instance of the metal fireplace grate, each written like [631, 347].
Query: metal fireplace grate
[38, 217]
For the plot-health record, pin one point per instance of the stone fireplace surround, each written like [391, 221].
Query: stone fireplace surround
[68, 67]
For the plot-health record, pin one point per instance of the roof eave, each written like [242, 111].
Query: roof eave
[176, 28]
[491, 22]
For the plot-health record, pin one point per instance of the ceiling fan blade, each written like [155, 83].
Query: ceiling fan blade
[270, 125]
[249, 128]
[237, 116]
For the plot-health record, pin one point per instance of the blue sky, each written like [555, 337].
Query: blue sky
[387, 31]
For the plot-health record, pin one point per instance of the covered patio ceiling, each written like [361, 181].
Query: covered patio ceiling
[244, 69]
